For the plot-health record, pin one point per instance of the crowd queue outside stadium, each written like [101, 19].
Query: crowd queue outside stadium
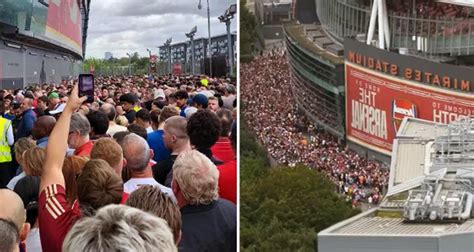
[291, 138]
[149, 165]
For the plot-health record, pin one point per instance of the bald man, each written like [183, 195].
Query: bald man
[13, 210]
[109, 110]
[177, 141]
[137, 155]
[27, 120]
[42, 129]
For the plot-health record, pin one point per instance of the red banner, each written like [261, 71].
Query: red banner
[377, 103]
[64, 23]
[177, 69]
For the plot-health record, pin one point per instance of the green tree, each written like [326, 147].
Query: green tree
[247, 31]
[283, 208]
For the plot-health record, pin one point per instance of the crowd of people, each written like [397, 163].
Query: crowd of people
[149, 165]
[269, 109]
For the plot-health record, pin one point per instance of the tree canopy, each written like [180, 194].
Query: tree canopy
[283, 208]
[247, 30]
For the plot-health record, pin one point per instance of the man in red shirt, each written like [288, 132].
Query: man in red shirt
[228, 173]
[97, 185]
[222, 149]
[78, 137]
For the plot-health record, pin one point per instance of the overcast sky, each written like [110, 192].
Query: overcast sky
[121, 26]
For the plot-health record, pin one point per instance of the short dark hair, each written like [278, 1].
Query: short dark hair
[225, 116]
[137, 129]
[144, 115]
[99, 122]
[181, 94]
[28, 190]
[204, 128]
[119, 136]
[130, 98]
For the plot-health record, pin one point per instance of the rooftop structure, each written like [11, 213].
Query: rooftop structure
[429, 204]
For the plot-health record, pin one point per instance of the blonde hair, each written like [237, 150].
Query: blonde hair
[23, 144]
[152, 200]
[121, 120]
[197, 177]
[33, 160]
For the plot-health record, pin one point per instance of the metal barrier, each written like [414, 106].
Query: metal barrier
[430, 36]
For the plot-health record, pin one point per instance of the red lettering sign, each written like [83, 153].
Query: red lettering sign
[376, 103]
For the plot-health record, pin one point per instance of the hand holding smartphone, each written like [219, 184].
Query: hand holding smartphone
[86, 86]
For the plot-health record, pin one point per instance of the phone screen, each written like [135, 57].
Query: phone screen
[86, 86]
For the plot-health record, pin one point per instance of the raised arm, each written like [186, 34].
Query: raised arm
[57, 143]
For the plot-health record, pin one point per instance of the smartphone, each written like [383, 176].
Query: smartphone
[86, 86]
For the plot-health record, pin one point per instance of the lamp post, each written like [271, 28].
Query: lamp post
[191, 36]
[209, 53]
[149, 57]
[225, 18]
[168, 46]
[129, 64]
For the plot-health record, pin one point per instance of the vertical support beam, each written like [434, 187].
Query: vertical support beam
[381, 26]
[386, 28]
[373, 18]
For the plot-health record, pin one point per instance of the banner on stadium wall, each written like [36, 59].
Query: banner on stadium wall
[177, 69]
[377, 102]
[64, 23]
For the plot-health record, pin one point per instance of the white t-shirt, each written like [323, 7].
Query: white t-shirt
[115, 128]
[134, 183]
[11, 185]
[149, 130]
[33, 242]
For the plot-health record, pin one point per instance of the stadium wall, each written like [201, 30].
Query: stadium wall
[317, 84]
[40, 41]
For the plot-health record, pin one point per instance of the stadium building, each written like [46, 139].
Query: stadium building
[359, 68]
[40, 41]
[394, 80]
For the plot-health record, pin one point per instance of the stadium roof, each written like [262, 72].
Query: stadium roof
[413, 173]
[368, 224]
[297, 33]
[468, 3]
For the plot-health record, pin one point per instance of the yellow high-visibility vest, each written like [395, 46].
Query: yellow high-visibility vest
[5, 150]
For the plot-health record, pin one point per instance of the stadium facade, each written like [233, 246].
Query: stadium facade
[361, 93]
[40, 41]
[404, 97]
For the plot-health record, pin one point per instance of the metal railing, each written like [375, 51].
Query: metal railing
[431, 36]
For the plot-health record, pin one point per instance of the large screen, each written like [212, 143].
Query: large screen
[377, 98]
[64, 23]
[57, 20]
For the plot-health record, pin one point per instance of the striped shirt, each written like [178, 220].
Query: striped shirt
[55, 217]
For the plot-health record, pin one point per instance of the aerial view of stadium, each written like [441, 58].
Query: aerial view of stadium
[118, 125]
[377, 98]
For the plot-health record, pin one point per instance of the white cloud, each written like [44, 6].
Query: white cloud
[121, 26]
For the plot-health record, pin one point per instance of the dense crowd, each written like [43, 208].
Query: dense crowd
[149, 165]
[269, 109]
[423, 8]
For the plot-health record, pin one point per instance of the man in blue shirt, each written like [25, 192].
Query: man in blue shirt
[28, 118]
[155, 138]
[42, 129]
